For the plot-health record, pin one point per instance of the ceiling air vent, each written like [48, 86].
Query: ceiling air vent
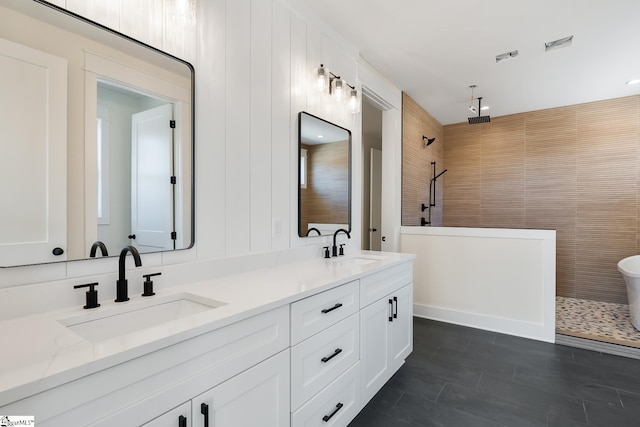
[506, 56]
[557, 44]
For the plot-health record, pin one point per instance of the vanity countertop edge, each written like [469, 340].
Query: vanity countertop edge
[41, 353]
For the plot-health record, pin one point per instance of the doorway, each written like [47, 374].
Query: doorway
[371, 176]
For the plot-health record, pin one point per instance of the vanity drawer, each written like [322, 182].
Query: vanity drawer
[334, 406]
[322, 358]
[378, 285]
[316, 313]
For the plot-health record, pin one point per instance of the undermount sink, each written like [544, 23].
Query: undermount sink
[101, 325]
[359, 259]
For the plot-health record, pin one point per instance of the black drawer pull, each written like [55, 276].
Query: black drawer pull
[391, 310]
[204, 410]
[395, 313]
[326, 418]
[327, 310]
[335, 353]
[182, 421]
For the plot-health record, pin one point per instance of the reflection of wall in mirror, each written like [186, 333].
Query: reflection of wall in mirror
[326, 198]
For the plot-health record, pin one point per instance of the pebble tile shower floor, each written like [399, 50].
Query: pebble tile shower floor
[596, 320]
[465, 377]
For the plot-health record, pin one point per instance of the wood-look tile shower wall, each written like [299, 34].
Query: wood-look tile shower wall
[573, 169]
[417, 170]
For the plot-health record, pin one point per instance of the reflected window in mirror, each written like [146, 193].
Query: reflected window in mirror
[324, 190]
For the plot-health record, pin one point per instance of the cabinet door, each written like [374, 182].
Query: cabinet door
[258, 396]
[178, 417]
[374, 347]
[401, 334]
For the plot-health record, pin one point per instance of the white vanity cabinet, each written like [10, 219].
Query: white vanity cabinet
[147, 388]
[386, 326]
[257, 397]
[314, 361]
[325, 338]
[177, 417]
[365, 329]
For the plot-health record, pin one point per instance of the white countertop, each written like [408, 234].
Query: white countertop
[40, 353]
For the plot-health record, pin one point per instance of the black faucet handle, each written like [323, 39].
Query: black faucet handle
[149, 276]
[91, 295]
[148, 284]
[341, 249]
[326, 252]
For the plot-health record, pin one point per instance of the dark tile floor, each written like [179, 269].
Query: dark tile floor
[464, 377]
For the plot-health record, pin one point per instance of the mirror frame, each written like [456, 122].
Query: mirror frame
[349, 163]
[120, 42]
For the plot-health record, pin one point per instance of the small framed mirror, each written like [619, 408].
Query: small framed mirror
[324, 176]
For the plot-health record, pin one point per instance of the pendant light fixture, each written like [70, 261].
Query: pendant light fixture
[471, 107]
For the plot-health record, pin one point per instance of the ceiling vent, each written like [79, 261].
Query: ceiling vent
[557, 44]
[506, 56]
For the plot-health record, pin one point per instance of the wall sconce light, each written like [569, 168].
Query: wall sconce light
[322, 78]
[339, 89]
[428, 141]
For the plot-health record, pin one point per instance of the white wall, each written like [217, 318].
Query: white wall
[496, 279]
[253, 63]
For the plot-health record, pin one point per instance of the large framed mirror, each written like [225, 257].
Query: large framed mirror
[324, 176]
[97, 142]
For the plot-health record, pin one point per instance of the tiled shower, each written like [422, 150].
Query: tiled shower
[573, 169]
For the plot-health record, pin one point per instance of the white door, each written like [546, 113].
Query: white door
[257, 397]
[33, 160]
[375, 200]
[152, 192]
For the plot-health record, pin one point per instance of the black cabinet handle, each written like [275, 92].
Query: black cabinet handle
[391, 310]
[131, 236]
[335, 353]
[204, 410]
[182, 421]
[327, 310]
[326, 418]
[57, 251]
[395, 313]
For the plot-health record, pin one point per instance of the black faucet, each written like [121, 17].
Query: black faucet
[121, 284]
[314, 229]
[98, 244]
[334, 249]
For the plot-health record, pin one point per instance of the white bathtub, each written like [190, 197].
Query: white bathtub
[630, 269]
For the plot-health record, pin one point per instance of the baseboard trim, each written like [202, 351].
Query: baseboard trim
[534, 331]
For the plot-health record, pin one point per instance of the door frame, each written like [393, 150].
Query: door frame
[387, 98]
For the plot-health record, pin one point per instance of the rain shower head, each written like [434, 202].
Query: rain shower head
[479, 118]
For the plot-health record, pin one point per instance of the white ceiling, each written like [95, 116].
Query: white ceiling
[434, 49]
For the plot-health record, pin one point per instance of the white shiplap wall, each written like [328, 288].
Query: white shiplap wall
[254, 61]
[247, 104]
